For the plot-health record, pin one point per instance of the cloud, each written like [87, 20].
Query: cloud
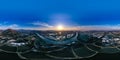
[79, 27]
[50, 27]
[42, 24]
[99, 27]
[12, 26]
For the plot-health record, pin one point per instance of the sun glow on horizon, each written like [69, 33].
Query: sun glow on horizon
[60, 27]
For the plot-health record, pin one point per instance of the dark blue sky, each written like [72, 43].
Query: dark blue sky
[45, 13]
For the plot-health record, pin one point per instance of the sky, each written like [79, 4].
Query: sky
[72, 14]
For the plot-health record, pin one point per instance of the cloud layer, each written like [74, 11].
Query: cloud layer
[46, 26]
[41, 24]
[12, 26]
